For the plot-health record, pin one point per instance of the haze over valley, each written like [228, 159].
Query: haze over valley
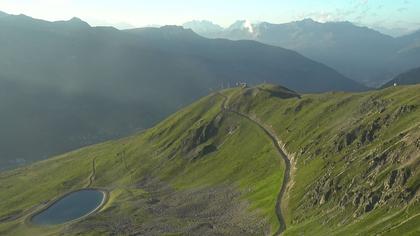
[310, 126]
[82, 84]
[360, 53]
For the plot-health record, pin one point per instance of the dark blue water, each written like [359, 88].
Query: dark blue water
[70, 207]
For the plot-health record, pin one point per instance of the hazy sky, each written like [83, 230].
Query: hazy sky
[391, 14]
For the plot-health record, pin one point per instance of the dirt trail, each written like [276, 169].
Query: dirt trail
[279, 147]
[92, 175]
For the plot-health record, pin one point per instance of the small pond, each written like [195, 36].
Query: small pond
[71, 207]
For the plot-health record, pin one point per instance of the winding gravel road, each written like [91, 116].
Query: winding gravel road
[93, 173]
[287, 160]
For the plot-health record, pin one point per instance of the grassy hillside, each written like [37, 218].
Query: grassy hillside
[356, 159]
[212, 168]
[168, 179]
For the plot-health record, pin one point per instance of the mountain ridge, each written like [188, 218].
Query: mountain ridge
[360, 53]
[354, 170]
[407, 78]
[98, 77]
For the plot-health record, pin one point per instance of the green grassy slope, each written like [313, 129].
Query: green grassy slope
[199, 170]
[356, 159]
[206, 170]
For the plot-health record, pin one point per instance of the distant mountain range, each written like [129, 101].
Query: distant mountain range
[66, 84]
[406, 78]
[359, 53]
[203, 27]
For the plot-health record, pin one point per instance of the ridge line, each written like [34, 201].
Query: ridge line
[283, 153]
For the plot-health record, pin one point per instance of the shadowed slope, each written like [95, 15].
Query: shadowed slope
[407, 78]
[91, 84]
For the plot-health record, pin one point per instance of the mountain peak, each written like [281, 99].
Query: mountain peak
[77, 21]
[202, 26]
[309, 20]
[168, 31]
[3, 14]
[176, 29]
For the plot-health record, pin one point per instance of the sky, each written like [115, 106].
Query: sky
[389, 16]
